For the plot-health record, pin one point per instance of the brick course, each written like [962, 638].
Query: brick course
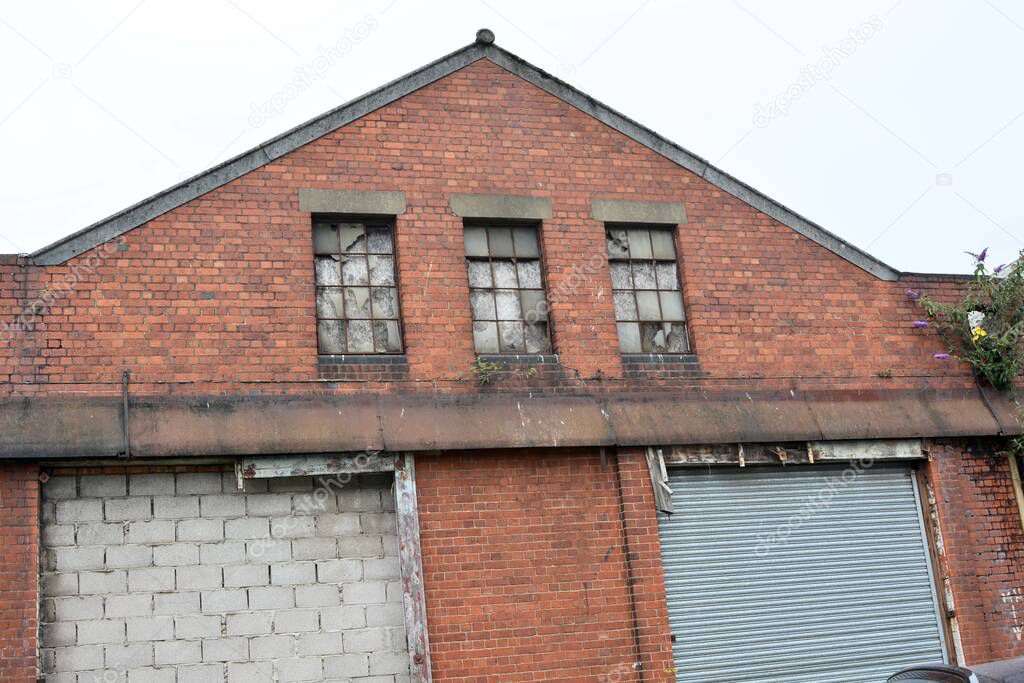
[19, 578]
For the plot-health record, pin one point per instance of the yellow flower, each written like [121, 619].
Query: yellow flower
[977, 333]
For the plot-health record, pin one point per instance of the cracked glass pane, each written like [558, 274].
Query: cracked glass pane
[480, 274]
[329, 303]
[620, 276]
[525, 240]
[382, 270]
[360, 336]
[653, 338]
[378, 240]
[351, 238]
[643, 275]
[485, 337]
[617, 243]
[639, 244]
[671, 306]
[386, 338]
[504, 274]
[328, 271]
[385, 302]
[662, 245]
[629, 337]
[357, 303]
[677, 342]
[510, 337]
[354, 271]
[482, 302]
[529, 274]
[501, 242]
[535, 306]
[331, 336]
[666, 274]
[647, 306]
[325, 239]
[476, 241]
[507, 304]
[625, 306]
[537, 338]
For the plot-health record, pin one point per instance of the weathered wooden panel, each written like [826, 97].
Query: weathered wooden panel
[411, 560]
[265, 467]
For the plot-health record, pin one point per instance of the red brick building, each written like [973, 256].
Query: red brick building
[528, 327]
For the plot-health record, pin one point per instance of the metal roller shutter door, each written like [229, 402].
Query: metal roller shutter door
[797, 575]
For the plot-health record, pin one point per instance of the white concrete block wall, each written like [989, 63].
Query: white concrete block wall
[180, 578]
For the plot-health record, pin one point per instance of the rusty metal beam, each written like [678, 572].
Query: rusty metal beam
[92, 427]
[270, 466]
[411, 560]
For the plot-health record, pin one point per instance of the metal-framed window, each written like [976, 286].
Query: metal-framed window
[506, 289]
[646, 291]
[356, 287]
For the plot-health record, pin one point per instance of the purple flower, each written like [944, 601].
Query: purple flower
[942, 356]
[920, 323]
[983, 254]
[912, 295]
[999, 269]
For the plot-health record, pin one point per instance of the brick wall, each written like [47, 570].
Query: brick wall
[524, 562]
[19, 576]
[983, 545]
[221, 289]
[164, 577]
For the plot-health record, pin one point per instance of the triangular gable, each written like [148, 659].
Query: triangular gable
[483, 48]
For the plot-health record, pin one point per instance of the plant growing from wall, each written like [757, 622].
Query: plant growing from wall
[485, 371]
[986, 328]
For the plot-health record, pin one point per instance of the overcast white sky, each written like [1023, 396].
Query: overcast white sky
[910, 148]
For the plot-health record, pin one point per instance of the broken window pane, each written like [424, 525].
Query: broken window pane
[666, 275]
[618, 244]
[378, 241]
[331, 336]
[646, 291]
[625, 306]
[328, 271]
[629, 337]
[663, 246]
[529, 274]
[386, 338]
[535, 306]
[329, 303]
[671, 305]
[356, 318]
[483, 305]
[647, 306]
[325, 239]
[620, 276]
[525, 241]
[504, 274]
[507, 304]
[480, 274]
[511, 338]
[537, 338]
[382, 270]
[476, 241]
[485, 337]
[357, 302]
[354, 271]
[351, 237]
[643, 275]
[639, 244]
[360, 336]
[385, 302]
[501, 242]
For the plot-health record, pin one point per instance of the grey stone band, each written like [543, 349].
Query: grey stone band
[501, 206]
[352, 201]
[617, 211]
